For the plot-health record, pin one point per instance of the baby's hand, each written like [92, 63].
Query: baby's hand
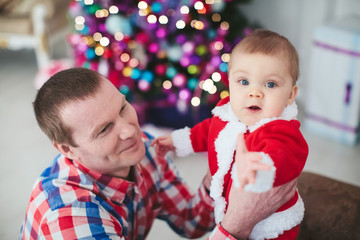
[247, 163]
[163, 145]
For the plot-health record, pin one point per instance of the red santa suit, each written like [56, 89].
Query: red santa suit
[281, 145]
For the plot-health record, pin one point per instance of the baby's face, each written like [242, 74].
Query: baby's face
[260, 86]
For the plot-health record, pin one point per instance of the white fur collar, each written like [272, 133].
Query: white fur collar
[225, 113]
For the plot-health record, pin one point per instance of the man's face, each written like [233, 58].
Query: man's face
[106, 130]
[260, 86]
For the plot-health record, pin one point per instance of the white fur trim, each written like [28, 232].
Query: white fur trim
[225, 146]
[225, 113]
[235, 176]
[289, 113]
[279, 222]
[264, 178]
[182, 142]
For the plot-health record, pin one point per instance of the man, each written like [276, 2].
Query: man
[108, 182]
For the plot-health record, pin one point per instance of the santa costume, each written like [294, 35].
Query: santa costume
[281, 145]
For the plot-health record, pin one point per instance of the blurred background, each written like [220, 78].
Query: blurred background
[170, 59]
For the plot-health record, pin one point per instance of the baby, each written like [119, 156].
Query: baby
[253, 139]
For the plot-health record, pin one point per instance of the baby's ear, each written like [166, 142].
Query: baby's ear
[293, 94]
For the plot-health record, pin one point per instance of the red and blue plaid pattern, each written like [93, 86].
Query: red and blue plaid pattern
[69, 201]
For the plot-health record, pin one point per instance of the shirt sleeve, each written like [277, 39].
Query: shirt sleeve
[189, 214]
[219, 233]
[84, 220]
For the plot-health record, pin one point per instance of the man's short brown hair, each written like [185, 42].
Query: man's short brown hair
[64, 87]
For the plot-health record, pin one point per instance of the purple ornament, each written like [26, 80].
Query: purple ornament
[216, 61]
[180, 39]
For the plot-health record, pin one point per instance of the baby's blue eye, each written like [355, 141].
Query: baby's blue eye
[270, 84]
[244, 82]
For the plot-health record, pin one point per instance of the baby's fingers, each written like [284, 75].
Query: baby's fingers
[260, 166]
[253, 156]
[252, 177]
[154, 142]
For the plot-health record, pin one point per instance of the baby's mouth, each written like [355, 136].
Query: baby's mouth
[254, 108]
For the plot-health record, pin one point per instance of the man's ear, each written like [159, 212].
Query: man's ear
[293, 94]
[65, 150]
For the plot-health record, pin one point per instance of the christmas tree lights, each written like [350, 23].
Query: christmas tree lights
[171, 52]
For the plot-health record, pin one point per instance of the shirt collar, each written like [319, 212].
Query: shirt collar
[114, 188]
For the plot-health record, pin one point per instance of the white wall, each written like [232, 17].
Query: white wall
[297, 19]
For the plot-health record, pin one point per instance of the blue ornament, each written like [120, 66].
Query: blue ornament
[171, 72]
[218, 6]
[124, 89]
[223, 67]
[192, 83]
[85, 30]
[174, 53]
[135, 74]
[156, 7]
[211, 33]
[90, 53]
[147, 76]
[117, 23]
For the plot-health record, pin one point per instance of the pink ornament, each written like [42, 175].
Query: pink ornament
[161, 33]
[142, 38]
[144, 85]
[119, 65]
[185, 61]
[160, 69]
[74, 39]
[184, 94]
[179, 80]
[180, 39]
[216, 61]
[172, 98]
[53, 67]
[188, 47]
[153, 47]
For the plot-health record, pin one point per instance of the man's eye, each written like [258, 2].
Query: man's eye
[104, 130]
[123, 107]
[270, 84]
[244, 82]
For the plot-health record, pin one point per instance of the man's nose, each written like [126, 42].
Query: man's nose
[126, 130]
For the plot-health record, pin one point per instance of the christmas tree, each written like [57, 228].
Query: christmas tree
[169, 57]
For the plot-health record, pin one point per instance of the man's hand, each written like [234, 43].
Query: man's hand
[207, 181]
[247, 163]
[246, 209]
[163, 145]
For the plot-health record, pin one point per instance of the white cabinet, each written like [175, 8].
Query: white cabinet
[333, 84]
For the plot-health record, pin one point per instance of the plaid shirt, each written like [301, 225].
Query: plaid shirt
[69, 201]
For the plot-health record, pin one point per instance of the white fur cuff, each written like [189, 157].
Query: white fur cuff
[182, 142]
[264, 178]
[279, 222]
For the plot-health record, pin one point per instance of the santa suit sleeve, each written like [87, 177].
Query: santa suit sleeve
[284, 144]
[187, 141]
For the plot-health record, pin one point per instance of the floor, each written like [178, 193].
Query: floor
[25, 150]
